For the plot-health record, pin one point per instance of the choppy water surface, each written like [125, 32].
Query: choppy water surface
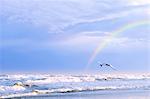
[46, 84]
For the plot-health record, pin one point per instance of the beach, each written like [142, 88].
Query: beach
[113, 94]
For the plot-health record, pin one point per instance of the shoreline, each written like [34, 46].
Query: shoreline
[100, 94]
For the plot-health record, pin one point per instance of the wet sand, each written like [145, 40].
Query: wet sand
[107, 94]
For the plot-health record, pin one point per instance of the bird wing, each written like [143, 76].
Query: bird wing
[112, 67]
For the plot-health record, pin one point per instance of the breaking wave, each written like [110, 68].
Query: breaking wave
[34, 85]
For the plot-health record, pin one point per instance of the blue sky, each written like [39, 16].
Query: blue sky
[61, 35]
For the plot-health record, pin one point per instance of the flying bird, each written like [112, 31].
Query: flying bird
[109, 65]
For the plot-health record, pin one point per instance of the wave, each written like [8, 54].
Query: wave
[66, 90]
[34, 85]
[72, 78]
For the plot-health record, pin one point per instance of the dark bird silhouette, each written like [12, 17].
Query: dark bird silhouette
[109, 65]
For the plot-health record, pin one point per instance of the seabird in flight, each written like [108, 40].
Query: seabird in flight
[109, 65]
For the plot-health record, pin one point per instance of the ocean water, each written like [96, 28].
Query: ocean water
[40, 85]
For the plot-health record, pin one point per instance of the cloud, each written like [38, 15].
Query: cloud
[130, 43]
[139, 2]
[94, 33]
[60, 16]
[57, 15]
[89, 43]
[83, 41]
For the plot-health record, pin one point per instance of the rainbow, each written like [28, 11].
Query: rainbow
[110, 37]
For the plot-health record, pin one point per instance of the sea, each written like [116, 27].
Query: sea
[75, 86]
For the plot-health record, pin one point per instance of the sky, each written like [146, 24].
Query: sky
[62, 35]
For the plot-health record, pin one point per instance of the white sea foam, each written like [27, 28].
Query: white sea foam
[64, 90]
[32, 85]
[59, 79]
[19, 95]
[11, 88]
